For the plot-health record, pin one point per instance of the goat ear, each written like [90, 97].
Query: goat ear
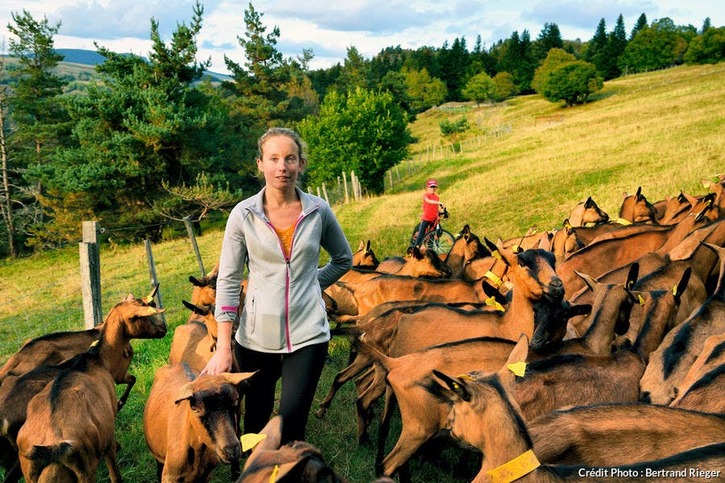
[195, 281]
[147, 299]
[455, 384]
[678, 289]
[508, 256]
[417, 253]
[237, 378]
[590, 281]
[186, 392]
[519, 353]
[148, 311]
[632, 276]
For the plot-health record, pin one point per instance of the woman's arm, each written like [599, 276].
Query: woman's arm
[334, 242]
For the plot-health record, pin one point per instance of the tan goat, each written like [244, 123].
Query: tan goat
[190, 422]
[70, 424]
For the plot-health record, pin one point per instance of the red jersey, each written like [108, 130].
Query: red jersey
[430, 210]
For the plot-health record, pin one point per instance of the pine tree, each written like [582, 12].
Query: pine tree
[640, 25]
[596, 52]
[616, 43]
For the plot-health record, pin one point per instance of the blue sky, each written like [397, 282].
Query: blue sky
[329, 28]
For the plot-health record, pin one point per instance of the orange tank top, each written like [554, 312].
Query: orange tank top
[285, 236]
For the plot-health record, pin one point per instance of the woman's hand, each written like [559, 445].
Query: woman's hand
[221, 361]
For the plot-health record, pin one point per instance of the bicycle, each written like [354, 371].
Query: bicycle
[438, 238]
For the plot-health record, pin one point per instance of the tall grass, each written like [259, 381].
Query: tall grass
[663, 131]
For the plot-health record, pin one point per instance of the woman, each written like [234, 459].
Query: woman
[283, 330]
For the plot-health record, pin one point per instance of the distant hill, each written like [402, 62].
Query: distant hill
[93, 58]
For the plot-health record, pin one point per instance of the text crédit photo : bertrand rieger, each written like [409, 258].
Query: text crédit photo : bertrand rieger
[648, 473]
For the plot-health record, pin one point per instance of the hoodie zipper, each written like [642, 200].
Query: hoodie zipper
[288, 277]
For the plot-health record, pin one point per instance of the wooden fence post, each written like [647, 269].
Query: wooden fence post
[153, 277]
[192, 237]
[324, 192]
[344, 180]
[90, 275]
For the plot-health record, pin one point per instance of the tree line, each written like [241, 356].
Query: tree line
[148, 140]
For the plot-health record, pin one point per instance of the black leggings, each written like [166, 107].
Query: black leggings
[300, 372]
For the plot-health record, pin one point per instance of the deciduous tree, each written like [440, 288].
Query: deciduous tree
[361, 130]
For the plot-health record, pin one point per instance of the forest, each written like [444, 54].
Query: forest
[149, 140]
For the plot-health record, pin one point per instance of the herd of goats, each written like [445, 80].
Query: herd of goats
[593, 352]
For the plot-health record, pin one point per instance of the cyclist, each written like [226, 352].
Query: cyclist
[432, 207]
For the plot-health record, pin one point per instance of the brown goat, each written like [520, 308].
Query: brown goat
[466, 248]
[70, 424]
[587, 213]
[635, 208]
[422, 415]
[365, 257]
[483, 413]
[703, 386]
[294, 462]
[195, 341]
[48, 349]
[190, 422]
[669, 364]
[617, 434]
[204, 292]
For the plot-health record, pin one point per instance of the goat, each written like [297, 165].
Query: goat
[204, 292]
[422, 416]
[617, 434]
[195, 341]
[635, 208]
[365, 257]
[466, 248]
[190, 422]
[669, 364]
[297, 461]
[70, 423]
[587, 213]
[482, 412]
[702, 387]
[48, 349]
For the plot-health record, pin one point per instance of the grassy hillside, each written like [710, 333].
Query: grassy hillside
[663, 131]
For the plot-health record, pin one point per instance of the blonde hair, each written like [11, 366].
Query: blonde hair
[280, 131]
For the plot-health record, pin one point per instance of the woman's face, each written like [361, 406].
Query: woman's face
[280, 162]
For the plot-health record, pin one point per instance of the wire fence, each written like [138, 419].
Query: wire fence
[34, 305]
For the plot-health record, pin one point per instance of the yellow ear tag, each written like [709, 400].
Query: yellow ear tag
[250, 440]
[496, 254]
[94, 343]
[674, 290]
[641, 300]
[466, 377]
[491, 302]
[518, 368]
[273, 476]
[516, 248]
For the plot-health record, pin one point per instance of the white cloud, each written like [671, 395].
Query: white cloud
[329, 28]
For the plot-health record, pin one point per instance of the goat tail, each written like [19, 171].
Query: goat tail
[378, 357]
[62, 453]
[345, 330]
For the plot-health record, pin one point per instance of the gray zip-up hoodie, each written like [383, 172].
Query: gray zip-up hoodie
[283, 307]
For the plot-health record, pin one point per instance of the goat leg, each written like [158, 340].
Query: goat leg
[129, 381]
